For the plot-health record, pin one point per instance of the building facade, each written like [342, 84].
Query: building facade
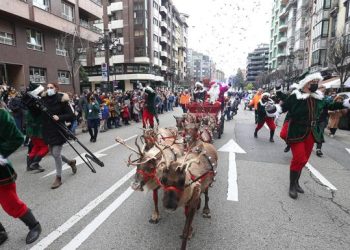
[200, 66]
[154, 39]
[258, 62]
[36, 40]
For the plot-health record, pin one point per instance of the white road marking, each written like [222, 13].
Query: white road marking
[232, 148]
[97, 222]
[320, 177]
[98, 154]
[49, 239]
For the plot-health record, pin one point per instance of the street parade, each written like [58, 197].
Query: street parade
[108, 143]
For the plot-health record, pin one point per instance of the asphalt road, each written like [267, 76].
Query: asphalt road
[100, 211]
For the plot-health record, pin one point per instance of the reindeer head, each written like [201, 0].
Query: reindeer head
[145, 164]
[173, 178]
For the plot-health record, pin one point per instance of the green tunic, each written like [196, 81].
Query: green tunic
[10, 140]
[34, 124]
[303, 112]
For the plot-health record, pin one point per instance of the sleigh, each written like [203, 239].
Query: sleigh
[206, 112]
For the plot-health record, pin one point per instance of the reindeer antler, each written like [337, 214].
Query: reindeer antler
[122, 142]
[138, 147]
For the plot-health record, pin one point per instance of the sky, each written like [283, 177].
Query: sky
[227, 30]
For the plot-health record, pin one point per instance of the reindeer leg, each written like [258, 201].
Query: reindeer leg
[206, 209]
[155, 215]
[188, 230]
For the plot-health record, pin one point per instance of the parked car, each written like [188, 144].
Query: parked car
[345, 120]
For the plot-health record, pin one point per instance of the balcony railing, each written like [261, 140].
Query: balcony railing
[98, 2]
[90, 26]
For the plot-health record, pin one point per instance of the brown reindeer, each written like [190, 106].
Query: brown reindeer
[148, 160]
[184, 180]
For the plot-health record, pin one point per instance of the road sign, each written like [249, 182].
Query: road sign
[104, 67]
[104, 76]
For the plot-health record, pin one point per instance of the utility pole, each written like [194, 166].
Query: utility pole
[106, 37]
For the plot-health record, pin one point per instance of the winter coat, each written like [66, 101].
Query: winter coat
[56, 105]
[105, 112]
[93, 111]
[10, 140]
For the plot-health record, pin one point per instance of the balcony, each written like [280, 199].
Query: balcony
[164, 68]
[283, 13]
[163, 39]
[281, 54]
[163, 24]
[282, 40]
[115, 7]
[93, 7]
[282, 27]
[116, 24]
[90, 26]
[17, 8]
[163, 10]
[164, 54]
[52, 21]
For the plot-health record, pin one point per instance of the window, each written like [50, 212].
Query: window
[117, 15]
[37, 75]
[117, 33]
[139, 33]
[42, 4]
[7, 38]
[155, 22]
[155, 38]
[67, 11]
[321, 29]
[347, 43]
[35, 40]
[334, 26]
[63, 77]
[319, 57]
[155, 5]
[60, 48]
[156, 54]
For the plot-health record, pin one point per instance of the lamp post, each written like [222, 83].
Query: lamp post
[290, 61]
[111, 46]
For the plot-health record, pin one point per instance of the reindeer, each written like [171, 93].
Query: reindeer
[184, 180]
[148, 160]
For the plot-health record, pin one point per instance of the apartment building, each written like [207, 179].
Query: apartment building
[34, 36]
[200, 66]
[258, 62]
[154, 38]
[220, 76]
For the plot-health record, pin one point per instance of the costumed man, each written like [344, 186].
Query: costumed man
[304, 107]
[34, 131]
[10, 140]
[267, 112]
[149, 109]
[199, 93]
[255, 101]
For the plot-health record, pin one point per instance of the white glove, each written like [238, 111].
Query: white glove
[3, 161]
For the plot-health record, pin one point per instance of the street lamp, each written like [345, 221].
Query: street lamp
[111, 47]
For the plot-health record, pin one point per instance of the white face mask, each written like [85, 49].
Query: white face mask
[51, 92]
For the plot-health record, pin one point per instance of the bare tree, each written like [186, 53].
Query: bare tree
[338, 59]
[74, 47]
